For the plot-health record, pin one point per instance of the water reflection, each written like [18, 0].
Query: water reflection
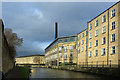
[52, 73]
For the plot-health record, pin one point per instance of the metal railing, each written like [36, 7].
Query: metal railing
[110, 64]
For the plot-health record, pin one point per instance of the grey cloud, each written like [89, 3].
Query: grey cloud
[35, 21]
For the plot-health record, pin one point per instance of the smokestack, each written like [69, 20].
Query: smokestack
[56, 30]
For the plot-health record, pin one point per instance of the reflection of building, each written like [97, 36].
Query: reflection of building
[30, 59]
[62, 50]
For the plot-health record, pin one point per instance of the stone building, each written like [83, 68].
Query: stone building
[30, 59]
[61, 50]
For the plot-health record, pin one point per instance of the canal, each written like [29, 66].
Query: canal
[54, 73]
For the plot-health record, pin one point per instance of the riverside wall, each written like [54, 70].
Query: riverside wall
[6, 63]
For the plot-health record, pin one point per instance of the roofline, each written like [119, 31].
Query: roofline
[82, 31]
[104, 11]
[30, 55]
[60, 38]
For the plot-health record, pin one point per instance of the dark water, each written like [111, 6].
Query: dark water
[53, 73]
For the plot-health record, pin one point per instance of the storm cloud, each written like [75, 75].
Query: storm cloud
[34, 21]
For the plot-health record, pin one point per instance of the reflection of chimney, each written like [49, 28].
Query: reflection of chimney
[56, 30]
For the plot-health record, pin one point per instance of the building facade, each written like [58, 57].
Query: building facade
[31, 59]
[82, 41]
[103, 38]
[62, 50]
[98, 45]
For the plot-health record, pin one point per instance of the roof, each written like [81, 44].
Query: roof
[82, 31]
[104, 11]
[60, 38]
[30, 56]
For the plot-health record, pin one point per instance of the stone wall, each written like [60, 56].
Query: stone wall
[7, 63]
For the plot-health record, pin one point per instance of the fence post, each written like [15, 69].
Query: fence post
[97, 64]
[83, 64]
[92, 64]
[103, 63]
[110, 63]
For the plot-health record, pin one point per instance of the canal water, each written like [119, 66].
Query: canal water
[54, 73]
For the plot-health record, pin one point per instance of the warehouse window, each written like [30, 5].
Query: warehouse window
[82, 42]
[78, 50]
[90, 35]
[96, 52]
[112, 37]
[71, 47]
[103, 51]
[90, 26]
[96, 42]
[96, 32]
[96, 23]
[104, 29]
[90, 44]
[113, 50]
[60, 48]
[113, 13]
[113, 25]
[79, 43]
[103, 40]
[82, 49]
[104, 18]
[82, 34]
[65, 48]
[86, 33]
[90, 53]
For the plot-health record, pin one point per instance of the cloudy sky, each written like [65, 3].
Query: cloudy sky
[34, 21]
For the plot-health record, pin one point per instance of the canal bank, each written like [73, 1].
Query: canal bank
[56, 73]
[107, 71]
[18, 72]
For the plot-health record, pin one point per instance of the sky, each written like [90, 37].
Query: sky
[34, 21]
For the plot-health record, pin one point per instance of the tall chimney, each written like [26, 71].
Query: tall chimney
[56, 30]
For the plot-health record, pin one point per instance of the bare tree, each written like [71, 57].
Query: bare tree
[13, 41]
[36, 60]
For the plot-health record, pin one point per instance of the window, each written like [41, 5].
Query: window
[103, 51]
[71, 47]
[65, 56]
[65, 48]
[96, 42]
[104, 18]
[90, 26]
[104, 29]
[60, 48]
[86, 33]
[96, 52]
[96, 23]
[103, 40]
[86, 48]
[96, 32]
[71, 54]
[82, 49]
[112, 37]
[113, 13]
[82, 34]
[79, 37]
[90, 53]
[113, 50]
[90, 44]
[113, 25]
[86, 40]
[79, 43]
[78, 50]
[82, 42]
[65, 40]
[90, 35]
